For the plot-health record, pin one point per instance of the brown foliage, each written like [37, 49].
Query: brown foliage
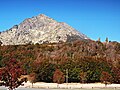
[116, 74]
[106, 77]
[11, 73]
[83, 77]
[58, 77]
[32, 78]
[89, 56]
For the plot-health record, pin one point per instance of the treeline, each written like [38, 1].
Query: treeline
[79, 61]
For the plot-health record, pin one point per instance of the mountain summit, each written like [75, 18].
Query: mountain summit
[40, 29]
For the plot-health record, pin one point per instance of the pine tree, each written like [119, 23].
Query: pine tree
[99, 39]
[106, 40]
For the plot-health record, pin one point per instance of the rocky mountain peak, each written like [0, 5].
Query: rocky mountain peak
[43, 16]
[40, 29]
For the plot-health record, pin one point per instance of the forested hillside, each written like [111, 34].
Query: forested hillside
[80, 61]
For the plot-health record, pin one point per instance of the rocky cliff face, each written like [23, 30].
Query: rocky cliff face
[40, 29]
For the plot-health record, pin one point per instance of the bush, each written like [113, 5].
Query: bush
[58, 77]
[106, 78]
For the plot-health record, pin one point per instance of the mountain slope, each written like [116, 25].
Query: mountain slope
[40, 29]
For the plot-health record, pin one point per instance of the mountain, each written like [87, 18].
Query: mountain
[40, 29]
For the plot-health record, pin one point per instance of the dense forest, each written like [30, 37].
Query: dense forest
[84, 61]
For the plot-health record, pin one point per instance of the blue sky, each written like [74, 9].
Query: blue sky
[95, 18]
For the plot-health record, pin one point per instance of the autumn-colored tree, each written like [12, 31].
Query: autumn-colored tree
[32, 78]
[89, 56]
[83, 77]
[106, 78]
[10, 74]
[58, 77]
[116, 75]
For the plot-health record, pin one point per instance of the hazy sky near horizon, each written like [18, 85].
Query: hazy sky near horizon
[94, 18]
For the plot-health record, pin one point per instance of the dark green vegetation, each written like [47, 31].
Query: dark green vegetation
[79, 61]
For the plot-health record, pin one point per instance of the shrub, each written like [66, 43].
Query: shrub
[106, 78]
[58, 77]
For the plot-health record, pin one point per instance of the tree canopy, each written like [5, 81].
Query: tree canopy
[85, 60]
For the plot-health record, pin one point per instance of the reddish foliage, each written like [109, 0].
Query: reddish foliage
[58, 77]
[11, 73]
[32, 78]
[89, 56]
[116, 74]
[105, 77]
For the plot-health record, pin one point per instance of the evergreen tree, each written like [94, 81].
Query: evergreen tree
[106, 40]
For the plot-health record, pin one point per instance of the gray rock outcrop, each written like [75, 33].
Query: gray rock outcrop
[40, 29]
